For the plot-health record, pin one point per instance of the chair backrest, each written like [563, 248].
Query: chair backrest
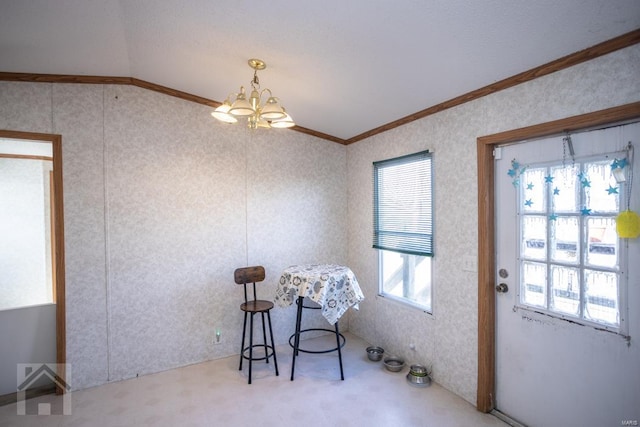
[249, 275]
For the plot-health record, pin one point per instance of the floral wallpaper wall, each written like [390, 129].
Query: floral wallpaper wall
[448, 338]
[162, 203]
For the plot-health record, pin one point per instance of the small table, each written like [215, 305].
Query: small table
[334, 288]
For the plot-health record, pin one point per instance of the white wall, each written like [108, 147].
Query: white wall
[448, 339]
[28, 336]
[161, 204]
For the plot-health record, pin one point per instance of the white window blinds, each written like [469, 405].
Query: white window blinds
[403, 212]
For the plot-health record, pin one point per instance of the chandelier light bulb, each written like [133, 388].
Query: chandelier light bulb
[222, 113]
[241, 107]
[285, 122]
[272, 110]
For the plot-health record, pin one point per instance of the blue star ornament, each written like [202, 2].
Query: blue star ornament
[530, 186]
[529, 202]
[548, 179]
[556, 191]
[515, 165]
[553, 217]
[585, 183]
[511, 173]
[612, 190]
[618, 164]
[585, 211]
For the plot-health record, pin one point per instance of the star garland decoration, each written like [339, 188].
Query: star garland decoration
[627, 222]
[618, 164]
[617, 167]
[586, 183]
[517, 170]
[556, 192]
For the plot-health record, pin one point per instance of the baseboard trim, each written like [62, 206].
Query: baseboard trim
[507, 419]
[8, 399]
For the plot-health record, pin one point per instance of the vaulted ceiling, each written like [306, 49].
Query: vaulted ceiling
[340, 67]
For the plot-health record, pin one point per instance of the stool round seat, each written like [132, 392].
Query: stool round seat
[256, 306]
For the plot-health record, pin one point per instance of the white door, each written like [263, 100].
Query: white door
[570, 287]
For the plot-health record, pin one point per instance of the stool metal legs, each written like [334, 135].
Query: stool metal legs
[267, 348]
[339, 352]
[296, 342]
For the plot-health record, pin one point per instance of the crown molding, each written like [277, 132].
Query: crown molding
[606, 47]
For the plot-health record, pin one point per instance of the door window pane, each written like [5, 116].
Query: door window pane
[565, 245]
[564, 191]
[534, 280]
[565, 285]
[533, 185]
[598, 180]
[603, 242]
[534, 237]
[601, 297]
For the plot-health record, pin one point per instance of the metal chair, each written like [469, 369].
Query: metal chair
[248, 276]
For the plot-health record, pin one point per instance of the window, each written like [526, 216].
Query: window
[570, 253]
[402, 223]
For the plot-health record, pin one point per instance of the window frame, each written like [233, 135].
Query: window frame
[421, 246]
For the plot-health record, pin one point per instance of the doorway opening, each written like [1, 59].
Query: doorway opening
[50, 277]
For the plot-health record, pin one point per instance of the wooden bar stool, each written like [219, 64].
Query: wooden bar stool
[247, 276]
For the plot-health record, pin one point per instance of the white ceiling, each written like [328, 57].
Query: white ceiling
[340, 67]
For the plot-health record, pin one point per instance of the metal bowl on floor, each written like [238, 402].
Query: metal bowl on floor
[375, 353]
[419, 376]
[418, 381]
[419, 371]
[393, 363]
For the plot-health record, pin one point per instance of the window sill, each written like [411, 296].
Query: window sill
[405, 304]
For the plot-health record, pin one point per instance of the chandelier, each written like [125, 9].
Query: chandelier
[269, 114]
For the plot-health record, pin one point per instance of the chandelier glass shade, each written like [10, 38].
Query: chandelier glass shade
[269, 114]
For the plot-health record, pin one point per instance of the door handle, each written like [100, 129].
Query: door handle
[502, 288]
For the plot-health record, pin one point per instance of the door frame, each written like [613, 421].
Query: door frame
[58, 243]
[485, 401]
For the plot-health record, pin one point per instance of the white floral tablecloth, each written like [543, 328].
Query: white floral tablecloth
[334, 287]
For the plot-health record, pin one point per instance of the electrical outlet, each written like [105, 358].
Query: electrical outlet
[469, 263]
[217, 337]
